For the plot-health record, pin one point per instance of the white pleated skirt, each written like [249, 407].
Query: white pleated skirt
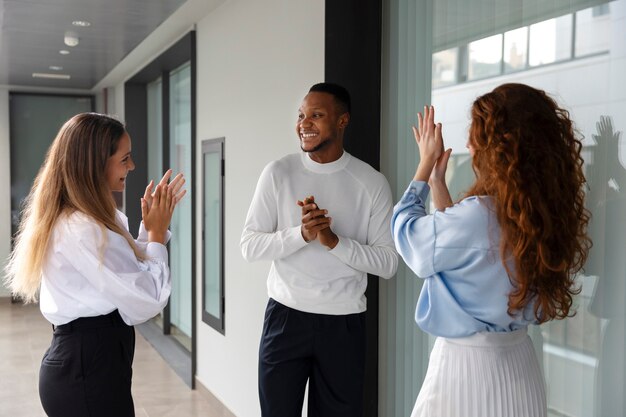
[483, 375]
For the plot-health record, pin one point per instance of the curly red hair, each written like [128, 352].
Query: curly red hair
[527, 157]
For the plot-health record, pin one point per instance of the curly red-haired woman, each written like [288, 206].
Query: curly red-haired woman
[500, 259]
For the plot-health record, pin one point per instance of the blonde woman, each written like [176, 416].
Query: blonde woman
[94, 280]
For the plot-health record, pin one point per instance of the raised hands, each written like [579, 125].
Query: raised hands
[433, 158]
[315, 224]
[157, 207]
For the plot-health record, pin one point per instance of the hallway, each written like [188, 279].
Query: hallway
[24, 337]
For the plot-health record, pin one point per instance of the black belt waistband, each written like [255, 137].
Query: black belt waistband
[113, 319]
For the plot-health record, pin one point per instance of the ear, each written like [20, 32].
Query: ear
[344, 120]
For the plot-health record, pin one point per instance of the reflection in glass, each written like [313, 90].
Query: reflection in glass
[445, 67]
[484, 57]
[515, 47]
[607, 201]
[550, 41]
[592, 30]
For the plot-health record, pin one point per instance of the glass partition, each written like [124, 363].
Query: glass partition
[577, 54]
[484, 57]
[34, 122]
[180, 154]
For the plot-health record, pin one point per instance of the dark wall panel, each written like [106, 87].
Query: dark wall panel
[136, 116]
[353, 59]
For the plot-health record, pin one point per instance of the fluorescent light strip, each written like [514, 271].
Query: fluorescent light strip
[53, 76]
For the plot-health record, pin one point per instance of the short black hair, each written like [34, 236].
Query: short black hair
[341, 95]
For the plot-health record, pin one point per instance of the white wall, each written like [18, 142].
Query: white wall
[5, 186]
[256, 61]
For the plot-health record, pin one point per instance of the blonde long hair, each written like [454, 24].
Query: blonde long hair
[72, 178]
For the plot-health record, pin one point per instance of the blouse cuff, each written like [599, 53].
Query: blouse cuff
[417, 192]
[157, 252]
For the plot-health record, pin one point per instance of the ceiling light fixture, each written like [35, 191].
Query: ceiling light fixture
[52, 76]
[55, 68]
[81, 23]
[70, 38]
[64, 52]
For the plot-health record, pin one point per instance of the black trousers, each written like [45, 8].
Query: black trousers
[326, 350]
[87, 370]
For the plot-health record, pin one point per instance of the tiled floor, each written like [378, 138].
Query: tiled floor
[24, 337]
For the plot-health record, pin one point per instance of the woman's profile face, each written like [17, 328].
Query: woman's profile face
[119, 164]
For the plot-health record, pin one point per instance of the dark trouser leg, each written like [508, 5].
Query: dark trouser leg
[284, 361]
[87, 373]
[337, 380]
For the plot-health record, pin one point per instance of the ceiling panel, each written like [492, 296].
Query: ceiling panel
[32, 33]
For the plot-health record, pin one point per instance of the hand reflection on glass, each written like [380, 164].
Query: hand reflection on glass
[607, 261]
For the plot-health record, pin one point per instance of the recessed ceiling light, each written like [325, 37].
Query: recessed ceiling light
[81, 23]
[53, 76]
[64, 52]
[70, 38]
[55, 68]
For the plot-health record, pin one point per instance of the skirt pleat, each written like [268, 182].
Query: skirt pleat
[483, 375]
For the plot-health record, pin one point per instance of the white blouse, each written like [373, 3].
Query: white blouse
[91, 271]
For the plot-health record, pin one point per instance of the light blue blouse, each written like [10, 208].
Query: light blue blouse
[457, 251]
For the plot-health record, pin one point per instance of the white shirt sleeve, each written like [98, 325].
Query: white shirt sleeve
[260, 240]
[142, 237]
[138, 289]
[378, 256]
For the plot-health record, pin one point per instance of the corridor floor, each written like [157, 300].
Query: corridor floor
[24, 337]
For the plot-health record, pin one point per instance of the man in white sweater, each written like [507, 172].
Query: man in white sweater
[323, 218]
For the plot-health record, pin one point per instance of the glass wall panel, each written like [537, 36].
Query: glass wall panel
[180, 160]
[34, 122]
[593, 27]
[484, 57]
[154, 106]
[583, 357]
[550, 41]
[515, 49]
[445, 67]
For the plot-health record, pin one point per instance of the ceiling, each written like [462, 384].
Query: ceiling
[32, 33]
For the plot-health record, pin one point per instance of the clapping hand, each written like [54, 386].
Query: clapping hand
[177, 183]
[433, 158]
[157, 207]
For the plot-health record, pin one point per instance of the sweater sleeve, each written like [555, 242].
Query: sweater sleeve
[378, 256]
[260, 239]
